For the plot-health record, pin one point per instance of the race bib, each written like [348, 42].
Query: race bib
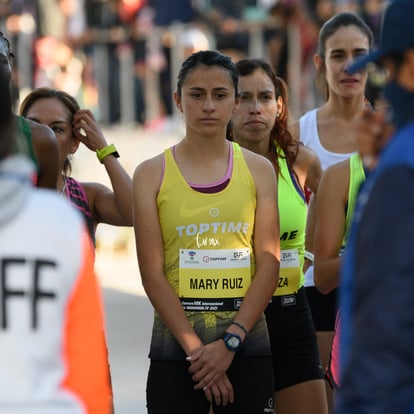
[289, 274]
[213, 280]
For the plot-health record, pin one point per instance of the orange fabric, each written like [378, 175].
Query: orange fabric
[85, 348]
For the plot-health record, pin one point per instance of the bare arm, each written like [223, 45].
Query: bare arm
[309, 170]
[330, 225]
[150, 253]
[310, 163]
[107, 206]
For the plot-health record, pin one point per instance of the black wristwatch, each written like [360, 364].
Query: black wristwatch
[232, 341]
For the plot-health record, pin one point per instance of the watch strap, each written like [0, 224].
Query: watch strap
[105, 151]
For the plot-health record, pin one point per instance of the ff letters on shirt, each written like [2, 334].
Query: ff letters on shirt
[23, 283]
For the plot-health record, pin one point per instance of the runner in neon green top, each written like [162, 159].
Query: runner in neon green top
[335, 203]
[261, 126]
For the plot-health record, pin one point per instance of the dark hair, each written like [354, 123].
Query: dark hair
[279, 135]
[67, 100]
[207, 58]
[5, 40]
[6, 117]
[329, 28]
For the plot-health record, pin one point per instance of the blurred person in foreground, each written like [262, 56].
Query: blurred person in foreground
[52, 346]
[36, 141]
[377, 344]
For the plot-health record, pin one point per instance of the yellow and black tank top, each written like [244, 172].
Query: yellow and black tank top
[292, 216]
[208, 252]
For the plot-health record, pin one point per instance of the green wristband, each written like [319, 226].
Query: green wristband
[105, 151]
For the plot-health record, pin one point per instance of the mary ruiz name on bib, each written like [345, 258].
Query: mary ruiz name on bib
[216, 283]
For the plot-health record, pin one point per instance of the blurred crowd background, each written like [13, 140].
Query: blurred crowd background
[120, 57]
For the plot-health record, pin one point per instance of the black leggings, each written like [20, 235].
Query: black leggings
[323, 307]
[293, 341]
[170, 389]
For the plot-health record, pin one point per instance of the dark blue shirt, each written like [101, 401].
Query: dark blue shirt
[377, 295]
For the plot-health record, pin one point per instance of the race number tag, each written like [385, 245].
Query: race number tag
[213, 280]
[289, 275]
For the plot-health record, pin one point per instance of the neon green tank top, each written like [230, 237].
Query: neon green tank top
[356, 178]
[292, 215]
[208, 253]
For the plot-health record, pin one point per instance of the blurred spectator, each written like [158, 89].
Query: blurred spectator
[193, 40]
[226, 21]
[321, 10]
[57, 66]
[108, 36]
[20, 24]
[139, 18]
[350, 6]
[292, 44]
[51, 19]
[146, 34]
[371, 12]
[166, 14]
[80, 38]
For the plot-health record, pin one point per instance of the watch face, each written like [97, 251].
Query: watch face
[233, 342]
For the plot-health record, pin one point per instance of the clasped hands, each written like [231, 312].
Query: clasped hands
[209, 365]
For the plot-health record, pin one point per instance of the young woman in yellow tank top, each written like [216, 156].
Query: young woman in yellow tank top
[261, 125]
[207, 235]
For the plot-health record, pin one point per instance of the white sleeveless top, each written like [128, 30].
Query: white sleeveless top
[309, 135]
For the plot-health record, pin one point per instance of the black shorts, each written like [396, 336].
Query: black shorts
[323, 307]
[293, 340]
[170, 388]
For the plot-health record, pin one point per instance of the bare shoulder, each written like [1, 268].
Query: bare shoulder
[260, 167]
[338, 168]
[334, 184]
[336, 175]
[294, 129]
[308, 168]
[255, 161]
[306, 157]
[149, 170]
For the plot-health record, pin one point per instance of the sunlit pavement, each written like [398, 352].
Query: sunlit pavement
[128, 311]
